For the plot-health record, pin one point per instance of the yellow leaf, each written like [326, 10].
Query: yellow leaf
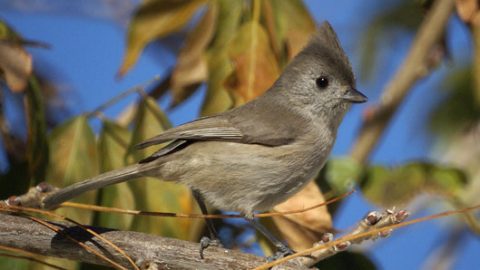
[113, 145]
[16, 66]
[156, 195]
[218, 98]
[302, 230]
[467, 10]
[73, 158]
[290, 26]
[15, 62]
[255, 65]
[191, 67]
[153, 20]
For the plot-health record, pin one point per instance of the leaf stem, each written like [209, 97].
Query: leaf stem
[256, 10]
[122, 95]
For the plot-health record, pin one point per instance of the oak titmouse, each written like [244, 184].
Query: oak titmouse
[257, 155]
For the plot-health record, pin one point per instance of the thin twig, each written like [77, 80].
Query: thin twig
[35, 195]
[366, 235]
[21, 209]
[209, 216]
[83, 245]
[122, 95]
[413, 68]
[145, 249]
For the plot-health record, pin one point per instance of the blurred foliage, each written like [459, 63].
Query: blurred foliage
[159, 195]
[458, 109]
[153, 20]
[15, 61]
[395, 186]
[113, 145]
[392, 22]
[405, 16]
[236, 49]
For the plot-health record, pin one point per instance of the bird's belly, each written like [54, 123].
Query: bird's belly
[244, 177]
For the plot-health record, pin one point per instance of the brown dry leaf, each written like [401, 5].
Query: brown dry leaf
[15, 62]
[467, 10]
[153, 20]
[192, 68]
[255, 65]
[302, 230]
[15, 66]
[289, 25]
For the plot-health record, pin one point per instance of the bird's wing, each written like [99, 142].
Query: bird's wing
[252, 123]
[203, 129]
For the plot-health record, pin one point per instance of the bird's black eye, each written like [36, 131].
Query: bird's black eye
[322, 82]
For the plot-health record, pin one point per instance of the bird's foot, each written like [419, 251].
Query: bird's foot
[282, 251]
[205, 242]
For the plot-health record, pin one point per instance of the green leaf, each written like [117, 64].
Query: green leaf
[73, 158]
[397, 186]
[149, 121]
[343, 173]
[391, 187]
[218, 98]
[228, 20]
[156, 195]
[113, 146]
[458, 109]
[153, 20]
[255, 65]
[17, 264]
[37, 141]
[448, 181]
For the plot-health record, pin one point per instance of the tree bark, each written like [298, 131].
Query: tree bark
[164, 253]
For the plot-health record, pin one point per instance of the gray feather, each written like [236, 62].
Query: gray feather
[207, 128]
[325, 47]
[267, 129]
[97, 182]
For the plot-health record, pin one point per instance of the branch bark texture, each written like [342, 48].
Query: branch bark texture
[154, 251]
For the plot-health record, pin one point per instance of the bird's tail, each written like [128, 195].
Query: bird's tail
[100, 181]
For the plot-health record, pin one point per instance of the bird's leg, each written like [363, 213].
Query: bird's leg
[213, 239]
[282, 249]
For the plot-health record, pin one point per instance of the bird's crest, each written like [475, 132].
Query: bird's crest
[324, 44]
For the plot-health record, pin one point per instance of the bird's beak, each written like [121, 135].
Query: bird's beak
[354, 96]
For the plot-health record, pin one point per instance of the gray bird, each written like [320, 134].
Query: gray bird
[257, 155]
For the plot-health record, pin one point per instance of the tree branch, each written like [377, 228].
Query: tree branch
[144, 249]
[415, 67]
[23, 232]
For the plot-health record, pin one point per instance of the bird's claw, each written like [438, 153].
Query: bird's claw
[205, 242]
[282, 251]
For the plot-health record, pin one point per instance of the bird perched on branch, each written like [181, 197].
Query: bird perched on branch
[259, 154]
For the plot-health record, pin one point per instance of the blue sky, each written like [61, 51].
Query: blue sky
[86, 53]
